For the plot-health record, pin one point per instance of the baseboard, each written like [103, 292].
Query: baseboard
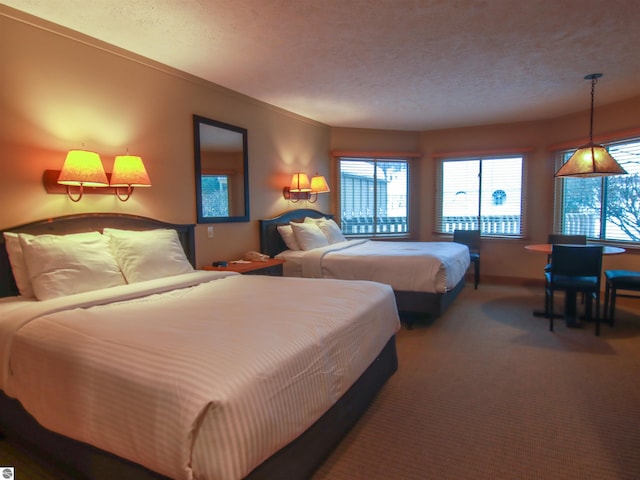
[502, 280]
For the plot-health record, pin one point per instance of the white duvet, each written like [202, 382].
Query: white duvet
[202, 381]
[433, 267]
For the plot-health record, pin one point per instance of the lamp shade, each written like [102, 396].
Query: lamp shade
[319, 184]
[128, 170]
[300, 183]
[82, 167]
[590, 160]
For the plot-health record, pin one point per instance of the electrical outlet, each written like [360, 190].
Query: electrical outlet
[210, 231]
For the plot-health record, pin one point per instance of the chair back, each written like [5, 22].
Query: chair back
[555, 239]
[470, 238]
[558, 238]
[577, 261]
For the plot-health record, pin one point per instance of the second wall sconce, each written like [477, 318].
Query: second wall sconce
[83, 169]
[128, 172]
[303, 189]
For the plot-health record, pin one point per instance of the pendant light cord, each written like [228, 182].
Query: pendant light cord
[593, 91]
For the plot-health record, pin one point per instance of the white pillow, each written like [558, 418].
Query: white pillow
[331, 230]
[286, 232]
[148, 254]
[60, 265]
[317, 221]
[18, 267]
[308, 235]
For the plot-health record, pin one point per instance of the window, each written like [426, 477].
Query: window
[602, 208]
[215, 195]
[373, 196]
[482, 193]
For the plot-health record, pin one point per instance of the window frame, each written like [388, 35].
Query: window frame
[560, 157]
[477, 222]
[370, 230]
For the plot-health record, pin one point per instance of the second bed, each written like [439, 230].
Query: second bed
[425, 276]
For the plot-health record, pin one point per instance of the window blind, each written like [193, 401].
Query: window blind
[373, 196]
[485, 193]
[602, 208]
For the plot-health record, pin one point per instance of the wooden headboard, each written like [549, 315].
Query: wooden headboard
[271, 242]
[88, 222]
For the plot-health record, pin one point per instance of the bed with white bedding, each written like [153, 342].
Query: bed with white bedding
[203, 375]
[425, 276]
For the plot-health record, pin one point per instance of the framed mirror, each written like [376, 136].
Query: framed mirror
[221, 171]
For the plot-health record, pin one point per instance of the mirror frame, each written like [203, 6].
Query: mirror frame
[197, 122]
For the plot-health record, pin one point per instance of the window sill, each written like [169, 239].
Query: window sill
[404, 237]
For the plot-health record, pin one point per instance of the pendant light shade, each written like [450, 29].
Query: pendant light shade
[591, 160]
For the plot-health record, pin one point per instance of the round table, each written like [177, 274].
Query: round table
[547, 247]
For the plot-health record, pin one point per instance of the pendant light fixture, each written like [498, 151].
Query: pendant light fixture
[591, 160]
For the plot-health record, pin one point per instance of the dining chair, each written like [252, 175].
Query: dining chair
[575, 268]
[471, 238]
[615, 280]
[561, 239]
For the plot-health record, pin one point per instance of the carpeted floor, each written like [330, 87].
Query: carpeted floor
[487, 392]
[26, 464]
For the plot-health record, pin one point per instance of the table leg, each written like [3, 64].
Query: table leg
[570, 310]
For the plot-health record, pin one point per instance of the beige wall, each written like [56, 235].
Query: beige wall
[61, 90]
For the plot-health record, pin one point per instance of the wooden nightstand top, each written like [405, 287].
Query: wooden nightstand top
[246, 267]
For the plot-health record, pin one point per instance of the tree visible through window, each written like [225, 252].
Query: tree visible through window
[482, 193]
[373, 196]
[603, 208]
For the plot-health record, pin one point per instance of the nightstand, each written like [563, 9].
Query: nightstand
[272, 267]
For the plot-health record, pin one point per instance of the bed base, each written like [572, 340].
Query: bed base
[428, 304]
[298, 460]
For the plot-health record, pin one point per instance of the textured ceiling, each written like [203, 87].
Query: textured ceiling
[388, 64]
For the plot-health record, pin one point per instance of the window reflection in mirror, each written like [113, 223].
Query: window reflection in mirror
[221, 170]
[215, 194]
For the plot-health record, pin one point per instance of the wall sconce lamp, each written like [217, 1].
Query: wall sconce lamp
[129, 172]
[318, 185]
[84, 169]
[303, 189]
[591, 160]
